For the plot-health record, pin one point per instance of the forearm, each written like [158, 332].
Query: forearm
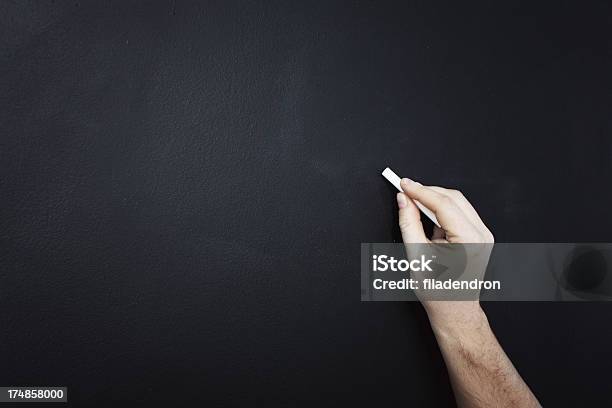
[480, 372]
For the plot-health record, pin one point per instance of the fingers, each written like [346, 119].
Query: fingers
[450, 216]
[461, 201]
[410, 220]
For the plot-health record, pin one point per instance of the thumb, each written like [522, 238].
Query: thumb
[410, 220]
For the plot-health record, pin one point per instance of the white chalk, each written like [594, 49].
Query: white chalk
[395, 180]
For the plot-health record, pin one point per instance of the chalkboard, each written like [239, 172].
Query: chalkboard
[185, 187]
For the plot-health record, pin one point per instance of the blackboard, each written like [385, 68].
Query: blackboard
[185, 187]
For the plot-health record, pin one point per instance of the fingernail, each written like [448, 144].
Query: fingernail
[407, 181]
[401, 200]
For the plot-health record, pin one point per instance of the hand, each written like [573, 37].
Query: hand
[459, 223]
[481, 373]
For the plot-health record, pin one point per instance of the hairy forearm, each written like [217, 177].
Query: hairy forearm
[480, 372]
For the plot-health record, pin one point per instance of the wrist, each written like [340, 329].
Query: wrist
[456, 318]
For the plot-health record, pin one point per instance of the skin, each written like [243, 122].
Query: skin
[481, 373]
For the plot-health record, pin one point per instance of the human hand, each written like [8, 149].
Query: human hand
[459, 223]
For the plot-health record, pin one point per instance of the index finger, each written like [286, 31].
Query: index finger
[451, 218]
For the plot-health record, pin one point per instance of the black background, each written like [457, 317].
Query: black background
[185, 186]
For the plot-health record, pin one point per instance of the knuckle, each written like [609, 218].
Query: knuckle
[456, 194]
[405, 224]
[446, 200]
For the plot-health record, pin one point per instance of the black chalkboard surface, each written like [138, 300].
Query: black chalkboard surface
[185, 187]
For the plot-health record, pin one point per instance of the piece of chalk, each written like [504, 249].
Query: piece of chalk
[395, 180]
